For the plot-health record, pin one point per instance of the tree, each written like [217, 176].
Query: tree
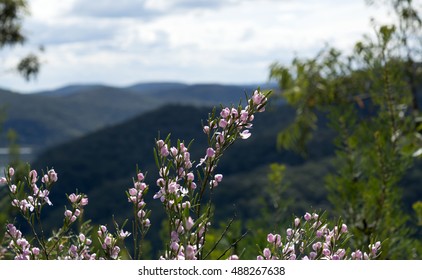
[370, 100]
[12, 13]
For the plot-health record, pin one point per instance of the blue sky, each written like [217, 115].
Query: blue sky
[194, 41]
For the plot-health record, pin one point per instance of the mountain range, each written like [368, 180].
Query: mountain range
[43, 119]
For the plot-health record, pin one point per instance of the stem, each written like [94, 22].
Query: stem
[221, 237]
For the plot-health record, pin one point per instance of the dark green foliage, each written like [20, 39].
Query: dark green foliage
[370, 99]
[12, 13]
[11, 16]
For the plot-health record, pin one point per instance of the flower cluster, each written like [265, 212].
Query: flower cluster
[39, 193]
[312, 239]
[109, 243]
[176, 187]
[81, 249]
[19, 245]
[180, 194]
[78, 201]
[136, 197]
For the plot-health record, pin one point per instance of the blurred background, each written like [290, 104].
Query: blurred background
[85, 86]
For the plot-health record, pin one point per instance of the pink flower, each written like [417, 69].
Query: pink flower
[164, 151]
[190, 252]
[244, 116]
[133, 191]
[234, 113]
[33, 176]
[189, 223]
[297, 222]
[210, 152]
[222, 123]
[245, 134]
[225, 112]
[73, 197]
[77, 212]
[218, 178]
[174, 151]
[233, 257]
[68, 213]
[267, 253]
[73, 218]
[141, 176]
[36, 251]
[289, 232]
[206, 129]
[307, 216]
[45, 179]
[11, 171]
[115, 252]
[343, 228]
[190, 176]
[84, 201]
[3, 181]
[271, 238]
[141, 214]
[107, 240]
[174, 246]
[326, 252]
[52, 175]
[123, 234]
[257, 98]
[12, 188]
[160, 182]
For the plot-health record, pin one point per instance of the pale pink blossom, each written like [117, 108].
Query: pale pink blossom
[267, 253]
[84, 201]
[210, 152]
[11, 171]
[233, 257]
[140, 176]
[218, 178]
[52, 175]
[12, 188]
[68, 213]
[189, 223]
[225, 112]
[245, 134]
[307, 216]
[222, 123]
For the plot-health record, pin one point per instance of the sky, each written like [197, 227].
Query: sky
[120, 43]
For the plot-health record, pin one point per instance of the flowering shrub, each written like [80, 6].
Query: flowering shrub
[182, 187]
[310, 238]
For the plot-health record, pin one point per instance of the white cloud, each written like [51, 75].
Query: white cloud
[128, 41]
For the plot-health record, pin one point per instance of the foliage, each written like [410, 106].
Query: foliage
[181, 197]
[12, 13]
[310, 238]
[370, 100]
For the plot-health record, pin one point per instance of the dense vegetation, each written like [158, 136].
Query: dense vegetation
[349, 142]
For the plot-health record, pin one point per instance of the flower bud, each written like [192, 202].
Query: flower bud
[141, 176]
[307, 216]
[210, 152]
[68, 213]
[297, 222]
[11, 171]
[267, 253]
